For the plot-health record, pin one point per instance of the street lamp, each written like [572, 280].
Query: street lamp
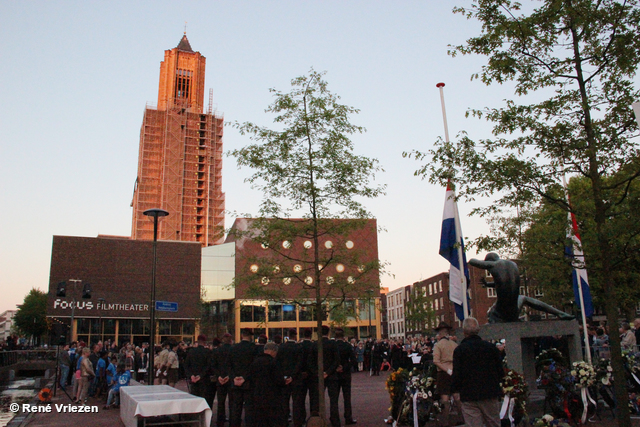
[156, 213]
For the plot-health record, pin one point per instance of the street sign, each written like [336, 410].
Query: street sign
[166, 306]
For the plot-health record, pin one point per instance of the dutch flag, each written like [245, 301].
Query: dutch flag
[452, 249]
[579, 273]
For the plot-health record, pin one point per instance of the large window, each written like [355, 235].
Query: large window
[289, 313]
[252, 313]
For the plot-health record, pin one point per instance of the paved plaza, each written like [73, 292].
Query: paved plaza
[369, 397]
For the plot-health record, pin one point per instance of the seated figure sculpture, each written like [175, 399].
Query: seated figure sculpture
[507, 284]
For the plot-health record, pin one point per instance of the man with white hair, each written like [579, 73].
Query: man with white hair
[477, 372]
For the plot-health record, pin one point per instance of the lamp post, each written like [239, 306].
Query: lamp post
[156, 214]
[370, 293]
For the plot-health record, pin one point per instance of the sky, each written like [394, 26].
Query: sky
[76, 76]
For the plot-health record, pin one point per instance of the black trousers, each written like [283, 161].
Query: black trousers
[223, 391]
[299, 392]
[344, 383]
[239, 398]
[285, 398]
[333, 387]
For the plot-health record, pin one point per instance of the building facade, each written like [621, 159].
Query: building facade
[395, 313]
[349, 281]
[180, 156]
[117, 273]
[6, 322]
[430, 299]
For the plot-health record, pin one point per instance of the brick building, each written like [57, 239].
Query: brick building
[118, 272]
[434, 291]
[180, 157]
[288, 272]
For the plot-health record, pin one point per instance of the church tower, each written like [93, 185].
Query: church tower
[180, 157]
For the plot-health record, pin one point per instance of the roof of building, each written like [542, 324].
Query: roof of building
[184, 44]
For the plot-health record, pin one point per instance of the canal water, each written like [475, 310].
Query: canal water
[20, 391]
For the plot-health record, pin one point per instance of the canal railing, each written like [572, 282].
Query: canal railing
[13, 357]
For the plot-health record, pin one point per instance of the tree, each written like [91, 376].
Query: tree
[308, 168]
[575, 61]
[31, 316]
[419, 314]
[545, 243]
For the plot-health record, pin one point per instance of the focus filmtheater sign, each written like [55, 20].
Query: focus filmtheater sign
[105, 306]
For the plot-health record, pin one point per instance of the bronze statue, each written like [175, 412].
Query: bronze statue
[506, 281]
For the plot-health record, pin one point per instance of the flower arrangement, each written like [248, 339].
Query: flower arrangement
[514, 385]
[583, 373]
[553, 355]
[548, 421]
[422, 384]
[604, 372]
[403, 385]
[45, 395]
[395, 384]
[634, 403]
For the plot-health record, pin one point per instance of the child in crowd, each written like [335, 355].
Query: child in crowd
[122, 378]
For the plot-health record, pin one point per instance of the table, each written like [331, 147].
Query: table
[140, 402]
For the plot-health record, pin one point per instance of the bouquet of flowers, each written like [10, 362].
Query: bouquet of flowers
[634, 404]
[515, 387]
[552, 355]
[549, 421]
[583, 374]
[604, 372]
[395, 385]
[424, 385]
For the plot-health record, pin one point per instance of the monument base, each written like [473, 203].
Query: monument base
[520, 339]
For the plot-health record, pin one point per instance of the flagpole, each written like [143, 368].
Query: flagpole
[585, 331]
[463, 280]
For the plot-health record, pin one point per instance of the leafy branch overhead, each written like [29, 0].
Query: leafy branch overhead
[310, 163]
[573, 66]
[313, 242]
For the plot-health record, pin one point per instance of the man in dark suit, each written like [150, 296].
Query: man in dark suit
[240, 358]
[266, 381]
[196, 368]
[220, 372]
[289, 361]
[331, 361]
[307, 383]
[347, 359]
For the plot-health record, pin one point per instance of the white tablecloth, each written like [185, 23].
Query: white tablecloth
[157, 400]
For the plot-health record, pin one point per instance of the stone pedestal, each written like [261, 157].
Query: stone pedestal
[520, 338]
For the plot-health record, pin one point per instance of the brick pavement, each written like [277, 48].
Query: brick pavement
[369, 399]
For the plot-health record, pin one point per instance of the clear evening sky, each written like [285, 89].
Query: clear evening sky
[76, 76]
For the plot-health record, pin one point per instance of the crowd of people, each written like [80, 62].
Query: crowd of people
[271, 380]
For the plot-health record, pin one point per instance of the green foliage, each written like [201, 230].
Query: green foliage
[573, 64]
[308, 169]
[545, 239]
[419, 312]
[31, 316]
[310, 163]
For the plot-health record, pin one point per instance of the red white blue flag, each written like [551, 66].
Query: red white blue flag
[579, 273]
[452, 249]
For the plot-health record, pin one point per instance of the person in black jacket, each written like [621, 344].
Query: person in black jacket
[477, 372]
[347, 359]
[308, 381]
[266, 381]
[331, 361]
[196, 368]
[289, 361]
[220, 372]
[240, 359]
